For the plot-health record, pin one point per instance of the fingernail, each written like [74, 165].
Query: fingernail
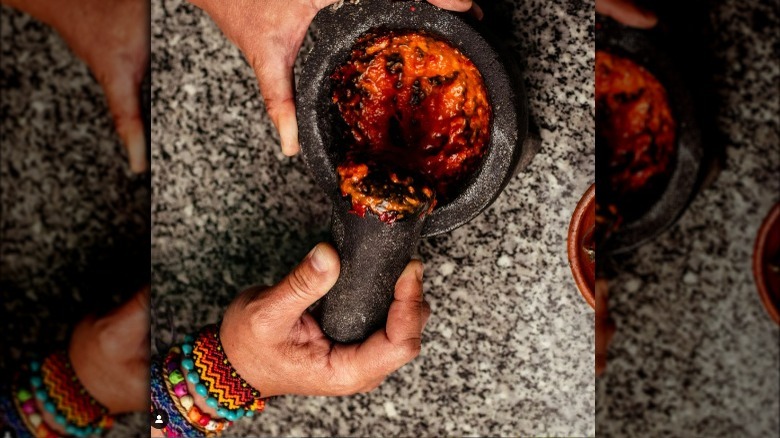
[319, 260]
[477, 11]
[288, 132]
[419, 272]
[136, 152]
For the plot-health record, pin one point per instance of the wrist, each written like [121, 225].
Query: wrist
[48, 419]
[182, 401]
[243, 358]
[208, 370]
[198, 400]
[52, 401]
[30, 415]
[89, 369]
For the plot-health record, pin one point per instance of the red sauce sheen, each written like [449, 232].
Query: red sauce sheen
[412, 102]
[636, 138]
[634, 121]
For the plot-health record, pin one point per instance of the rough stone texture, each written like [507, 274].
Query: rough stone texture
[695, 353]
[508, 148]
[509, 348]
[74, 222]
[373, 255]
[672, 197]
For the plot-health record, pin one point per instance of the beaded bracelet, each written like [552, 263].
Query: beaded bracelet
[184, 402]
[11, 415]
[177, 426]
[207, 366]
[31, 417]
[57, 387]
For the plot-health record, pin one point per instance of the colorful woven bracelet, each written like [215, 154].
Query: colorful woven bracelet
[26, 406]
[207, 366]
[10, 414]
[56, 385]
[184, 402]
[69, 395]
[177, 426]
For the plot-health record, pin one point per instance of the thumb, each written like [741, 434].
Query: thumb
[307, 283]
[122, 93]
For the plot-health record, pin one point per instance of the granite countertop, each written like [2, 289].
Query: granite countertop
[509, 348]
[695, 353]
[74, 222]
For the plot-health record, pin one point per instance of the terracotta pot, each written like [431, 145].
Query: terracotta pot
[766, 263]
[581, 247]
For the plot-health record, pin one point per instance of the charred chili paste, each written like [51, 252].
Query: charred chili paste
[390, 194]
[413, 105]
[635, 134]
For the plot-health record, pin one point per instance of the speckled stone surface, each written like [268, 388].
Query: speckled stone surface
[695, 353]
[509, 348]
[74, 222]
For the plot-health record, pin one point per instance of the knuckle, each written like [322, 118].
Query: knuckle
[250, 295]
[272, 107]
[258, 322]
[276, 107]
[412, 348]
[257, 317]
[426, 310]
[260, 316]
[300, 283]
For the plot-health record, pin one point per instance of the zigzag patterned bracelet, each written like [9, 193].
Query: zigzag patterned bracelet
[68, 394]
[209, 368]
[56, 386]
[184, 402]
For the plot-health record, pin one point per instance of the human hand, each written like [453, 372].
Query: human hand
[605, 328]
[113, 39]
[277, 347]
[110, 355]
[270, 34]
[626, 12]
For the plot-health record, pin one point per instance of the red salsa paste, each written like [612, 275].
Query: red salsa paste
[635, 134]
[414, 104]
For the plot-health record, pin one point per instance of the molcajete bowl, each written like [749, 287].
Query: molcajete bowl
[374, 253]
[670, 200]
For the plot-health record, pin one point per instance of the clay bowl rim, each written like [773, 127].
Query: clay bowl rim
[575, 235]
[771, 221]
[338, 30]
